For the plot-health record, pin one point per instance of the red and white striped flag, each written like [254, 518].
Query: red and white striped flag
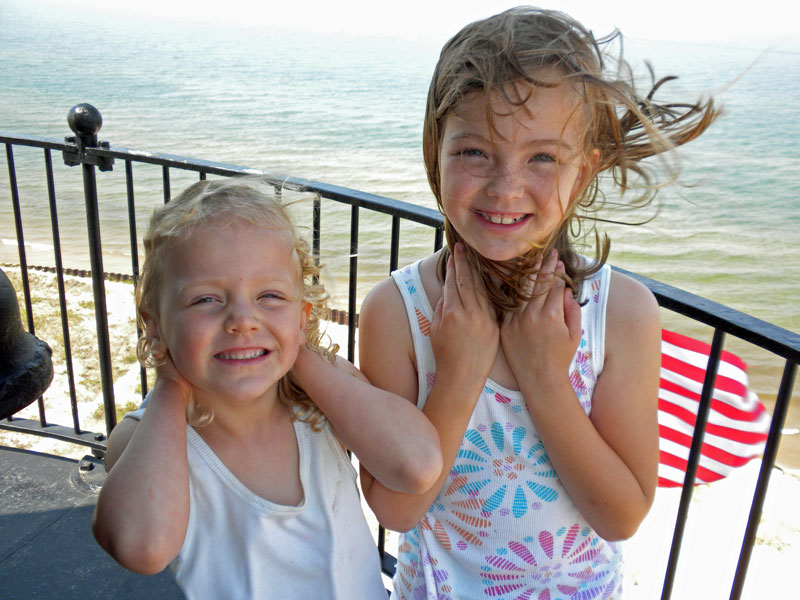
[738, 423]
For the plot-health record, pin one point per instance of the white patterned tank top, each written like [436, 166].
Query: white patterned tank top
[503, 526]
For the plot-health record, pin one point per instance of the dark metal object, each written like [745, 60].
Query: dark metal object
[26, 368]
[85, 121]
[694, 460]
[23, 261]
[767, 464]
[351, 304]
[62, 294]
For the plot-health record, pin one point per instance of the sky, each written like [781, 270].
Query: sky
[775, 22]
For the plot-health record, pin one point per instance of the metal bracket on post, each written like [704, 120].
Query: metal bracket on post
[85, 120]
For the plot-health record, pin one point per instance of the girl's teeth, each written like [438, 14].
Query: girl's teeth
[501, 220]
[241, 355]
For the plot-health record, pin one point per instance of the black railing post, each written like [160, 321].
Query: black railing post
[351, 300]
[85, 121]
[695, 450]
[438, 239]
[23, 261]
[134, 254]
[767, 464]
[62, 294]
[316, 224]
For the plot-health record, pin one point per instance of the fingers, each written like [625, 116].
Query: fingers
[563, 299]
[548, 288]
[572, 314]
[449, 290]
[460, 280]
[544, 277]
[463, 273]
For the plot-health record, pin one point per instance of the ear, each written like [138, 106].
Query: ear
[150, 324]
[305, 314]
[158, 348]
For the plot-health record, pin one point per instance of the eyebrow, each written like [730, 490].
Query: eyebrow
[266, 282]
[466, 135]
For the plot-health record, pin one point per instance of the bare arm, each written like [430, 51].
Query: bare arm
[118, 440]
[143, 508]
[613, 490]
[393, 441]
[465, 339]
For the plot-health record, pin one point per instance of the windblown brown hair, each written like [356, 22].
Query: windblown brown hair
[225, 202]
[521, 46]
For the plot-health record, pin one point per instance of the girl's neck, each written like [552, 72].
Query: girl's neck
[245, 419]
[260, 449]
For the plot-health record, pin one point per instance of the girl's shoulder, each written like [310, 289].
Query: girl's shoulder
[632, 310]
[628, 294]
[385, 297]
[383, 314]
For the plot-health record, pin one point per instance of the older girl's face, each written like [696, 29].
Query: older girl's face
[505, 186]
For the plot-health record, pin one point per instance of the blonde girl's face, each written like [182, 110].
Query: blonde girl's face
[506, 188]
[230, 311]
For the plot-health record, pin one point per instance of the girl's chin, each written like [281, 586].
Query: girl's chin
[500, 254]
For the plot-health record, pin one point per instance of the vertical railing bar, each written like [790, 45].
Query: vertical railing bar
[767, 464]
[381, 542]
[316, 228]
[62, 295]
[694, 459]
[438, 239]
[165, 184]
[351, 300]
[394, 252]
[134, 241]
[98, 284]
[23, 259]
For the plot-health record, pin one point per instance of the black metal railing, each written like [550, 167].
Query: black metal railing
[86, 151]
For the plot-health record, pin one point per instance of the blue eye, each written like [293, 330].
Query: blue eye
[543, 157]
[203, 300]
[471, 152]
[271, 296]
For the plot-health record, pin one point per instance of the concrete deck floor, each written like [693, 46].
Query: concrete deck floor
[46, 544]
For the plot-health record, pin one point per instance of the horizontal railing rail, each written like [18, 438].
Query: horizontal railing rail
[85, 150]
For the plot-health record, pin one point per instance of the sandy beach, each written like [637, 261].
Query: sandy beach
[717, 517]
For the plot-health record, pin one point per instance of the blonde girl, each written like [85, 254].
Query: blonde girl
[236, 474]
[537, 365]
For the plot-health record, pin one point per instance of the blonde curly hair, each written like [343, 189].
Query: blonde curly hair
[510, 55]
[225, 202]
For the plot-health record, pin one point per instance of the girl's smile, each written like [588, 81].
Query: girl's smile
[501, 218]
[239, 356]
[506, 184]
[231, 311]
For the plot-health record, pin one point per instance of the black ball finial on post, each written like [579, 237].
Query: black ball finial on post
[85, 120]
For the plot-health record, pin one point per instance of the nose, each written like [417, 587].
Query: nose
[241, 318]
[506, 182]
